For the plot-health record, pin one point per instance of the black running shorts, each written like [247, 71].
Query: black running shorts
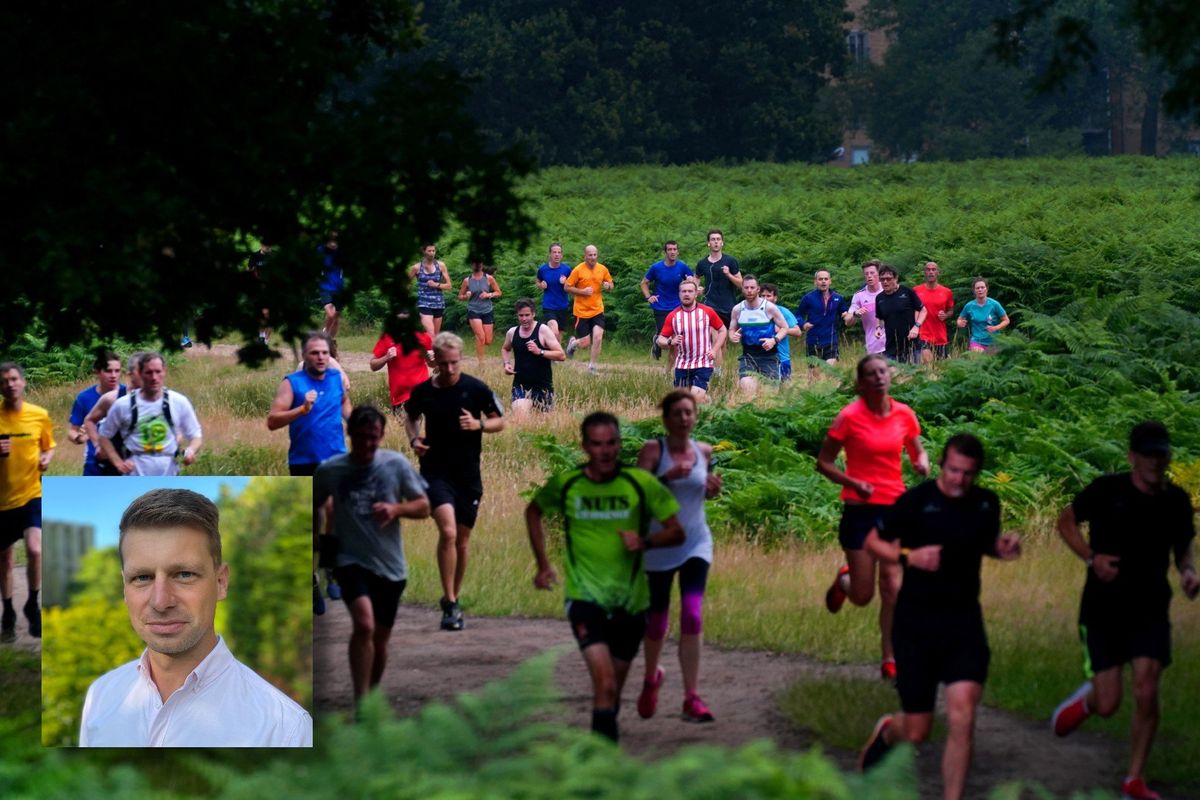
[463, 495]
[935, 649]
[618, 629]
[358, 581]
[857, 521]
[15, 521]
[1111, 644]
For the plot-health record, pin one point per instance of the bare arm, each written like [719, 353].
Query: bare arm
[669, 535]
[98, 412]
[827, 466]
[649, 456]
[545, 577]
[385, 513]
[412, 428]
[927, 558]
[495, 288]
[282, 414]
[347, 407]
[1003, 324]
[445, 284]
[917, 455]
[506, 350]
[645, 285]
[463, 292]
[551, 347]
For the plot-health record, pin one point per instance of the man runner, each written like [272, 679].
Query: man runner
[372, 490]
[91, 422]
[939, 303]
[698, 336]
[666, 276]
[770, 293]
[899, 313]
[26, 447]
[820, 310]
[606, 509]
[939, 533]
[528, 350]
[722, 276]
[1136, 521]
[149, 422]
[862, 306]
[458, 409]
[107, 368]
[759, 326]
[312, 403]
[332, 285]
[586, 282]
[551, 277]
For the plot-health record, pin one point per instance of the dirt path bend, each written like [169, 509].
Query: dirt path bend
[741, 686]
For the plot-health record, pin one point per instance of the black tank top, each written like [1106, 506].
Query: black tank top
[531, 370]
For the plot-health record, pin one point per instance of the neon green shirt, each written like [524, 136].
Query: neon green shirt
[599, 569]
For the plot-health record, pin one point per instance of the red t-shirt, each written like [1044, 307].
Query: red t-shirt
[407, 369]
[873, 446]
[940, 298]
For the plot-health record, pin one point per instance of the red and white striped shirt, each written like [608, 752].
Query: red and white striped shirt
[695, 351]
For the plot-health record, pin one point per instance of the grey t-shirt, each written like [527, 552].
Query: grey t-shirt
[355, 488]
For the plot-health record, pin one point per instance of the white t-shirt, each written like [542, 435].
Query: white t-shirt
[223, 703]
[152, 444]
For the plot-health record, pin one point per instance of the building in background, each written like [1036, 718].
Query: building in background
[63, 547]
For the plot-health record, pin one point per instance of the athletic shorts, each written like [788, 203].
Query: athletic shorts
[765, 364]
[561, 316]
[725, 316]
[464, 497]
[785, 370]
[331, 298]
[302, 470]
[620, 630]
[1111, 644]
[436, 313]
[543, 399]
[857, 521]
[488, 318]
[693, 378]
[15, 521]
[822, 351]
[943, 648]
[358, 581]
[585, 325]
[980, 347]
[693, 578]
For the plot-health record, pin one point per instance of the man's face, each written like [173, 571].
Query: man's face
[871, 276]
[430, 252]
[153, 374]
[822, 280]
[365, 440]
[768, 295]
[1151, 469]
[958, 474]
[448, 360]
[555, 256]
[672, 251]
[109, 378]
[750, 289]
[602, 443]
[172, 588]
[525, 317]
[716, 242]
[687, 294]
[316, 356]
[890, 284]
[12, 385]
[931, 272]
[590, 254]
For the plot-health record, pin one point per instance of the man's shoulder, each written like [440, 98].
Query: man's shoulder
[270, 700]
[33, 411]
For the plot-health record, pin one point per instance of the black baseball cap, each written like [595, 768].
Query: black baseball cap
[1150, 439]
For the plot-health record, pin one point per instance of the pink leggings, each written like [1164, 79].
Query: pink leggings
[693, 576]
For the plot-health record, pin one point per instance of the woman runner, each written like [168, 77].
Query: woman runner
[479, 289]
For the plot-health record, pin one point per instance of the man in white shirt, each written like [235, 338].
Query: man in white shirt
[187, 689]
[150, 422]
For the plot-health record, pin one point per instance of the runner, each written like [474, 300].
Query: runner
[149, 424]
[431, 278]
[26, 448]
[985, 316]
[479, 289]
[606, 510]
[665, 275]
[770, 293]
[458, 409]
[372, 489]
[721, 275]
[685, 466]
[107, 368]
[697, 335]
[899, 313]
[759, 326]
[556, 306]
[405, 367]
[312, 403]
[332, 285]
[255, 265]
[862, 306]
[938, 533]
[1136, 521]
[533, 347]
[874, 429]
[820, 310]
[586, 283]
[939, 303]
[93, 418]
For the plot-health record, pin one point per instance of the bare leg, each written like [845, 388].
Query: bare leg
[889, 589]
[460, 567]
[33, 558]
[6, 572]
[477, 329]
[437, 325]
[447, 552]
[749, 387]
[379, 661]
[862, 577]
[689, 660]
[362, 645]
[1146, 674]
[962, 698]
[597, 340]
[653, 649]
[489, 332]
[427, 322]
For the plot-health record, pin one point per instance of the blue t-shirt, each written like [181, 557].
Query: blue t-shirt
[331, 278]
[555, 296]
[824, 317]
[980, 316]
[666, 282]
[317, 435]
[85, 401]
[785, 350]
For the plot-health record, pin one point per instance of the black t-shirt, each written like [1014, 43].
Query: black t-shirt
[898, 311]
[719, 291]
[966, 527]
[1142, 529]
[453, 452]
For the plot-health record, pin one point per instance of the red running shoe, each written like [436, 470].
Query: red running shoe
[694, 710]
[1136, 789]
[836, 595]
[887, 669]
[1071, 712]
[648, 699]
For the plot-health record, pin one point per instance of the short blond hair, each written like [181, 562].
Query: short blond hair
[448, 341]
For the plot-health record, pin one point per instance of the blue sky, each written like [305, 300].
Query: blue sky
[101, 501]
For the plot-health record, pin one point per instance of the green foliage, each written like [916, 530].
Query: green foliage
[98, 578]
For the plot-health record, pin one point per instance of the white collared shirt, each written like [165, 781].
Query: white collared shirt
[222, 703]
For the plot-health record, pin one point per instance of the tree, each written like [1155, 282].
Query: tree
[146, 145]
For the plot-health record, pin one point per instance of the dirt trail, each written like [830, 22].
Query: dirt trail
[20, 595]
[426, 664]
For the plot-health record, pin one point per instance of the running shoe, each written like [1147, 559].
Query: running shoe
[835, 597]
[887, 669]
[571, 345]
[694, 710]
[332, 589]
[452, 616]
[1071, 712]
[33, 613]
[877, 747]
[656, 352]
[8, 626]
[648, 700]
[592, 370]
[1136, 789]
[185, 342]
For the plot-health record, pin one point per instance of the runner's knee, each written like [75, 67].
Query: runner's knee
[691, 614]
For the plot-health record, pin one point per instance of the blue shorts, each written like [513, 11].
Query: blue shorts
[693, 378]
[825, 352]
[765, 364]
[543, 399]
[857, 522]
[15, 521]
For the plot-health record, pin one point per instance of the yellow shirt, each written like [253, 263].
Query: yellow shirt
[30, 432]
[583, 276]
